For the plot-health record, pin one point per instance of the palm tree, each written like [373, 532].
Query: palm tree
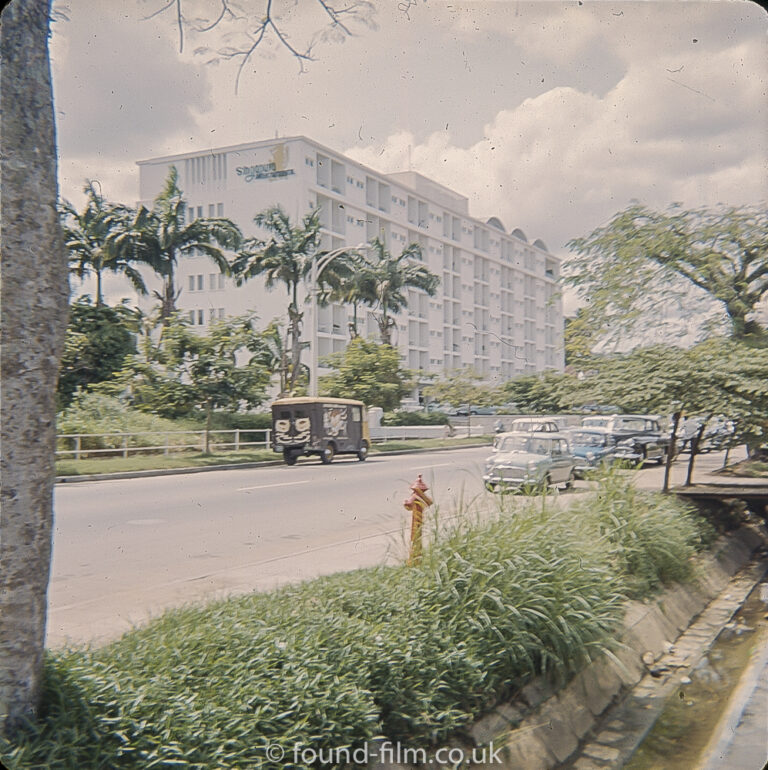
[90, 236]
[160, 236]
[385, 277]
[287, 258]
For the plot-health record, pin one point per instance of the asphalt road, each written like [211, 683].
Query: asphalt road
[124, 550]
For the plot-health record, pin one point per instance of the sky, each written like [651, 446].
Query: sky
[552, 116]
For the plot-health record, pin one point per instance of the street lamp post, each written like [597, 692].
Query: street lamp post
[318, 265]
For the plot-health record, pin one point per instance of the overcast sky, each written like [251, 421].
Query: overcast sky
[550, 115]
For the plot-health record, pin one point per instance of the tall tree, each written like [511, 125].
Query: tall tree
[641, 258]
[90, 236]
[368, 372]
[33, 298]
[286, 258]
[385, 278]
[161, 236]
[98, 339]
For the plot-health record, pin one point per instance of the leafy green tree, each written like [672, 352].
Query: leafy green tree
[541, 392]
[383, 279]
[90, 236]
[642, 257]
[462, 386]
[367, 371]
[286, 258]
[718, 377]
[185, 371]
[98, 339]
[161, 236]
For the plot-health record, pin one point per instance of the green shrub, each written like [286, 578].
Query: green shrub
[98, 413]
[414, 418]
[651, 537]
[414, 654]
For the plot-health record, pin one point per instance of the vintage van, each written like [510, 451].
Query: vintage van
[319, 426]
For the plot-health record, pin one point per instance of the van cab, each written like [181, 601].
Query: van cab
[320, 426]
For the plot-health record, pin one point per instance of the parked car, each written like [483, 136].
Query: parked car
[319, 426]
[466, 409]
[531, 424]
[639, 437]
[592, 447]
[527, 459]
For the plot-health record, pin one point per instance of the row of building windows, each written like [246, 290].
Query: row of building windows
[197, 317]
[215, 282]
[198, 212]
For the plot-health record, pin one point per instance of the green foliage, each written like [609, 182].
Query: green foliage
[92, 238]
[712, 257]
[381, 280]
[411, 653]
[98, 340]
[161, 236]
[287, 258]
[543, 393]
[91, 412]
[649, 537]
[368, 372]
[415, 418]
[462, 386]
[185, 371]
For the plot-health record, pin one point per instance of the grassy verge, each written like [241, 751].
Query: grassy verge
[412, 653]
[756, 469]
[144, 462]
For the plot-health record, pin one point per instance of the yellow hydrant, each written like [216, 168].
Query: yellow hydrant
[416, 504]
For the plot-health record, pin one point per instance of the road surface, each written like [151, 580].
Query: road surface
[124, 550]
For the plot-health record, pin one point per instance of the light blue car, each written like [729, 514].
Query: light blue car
[591, 448]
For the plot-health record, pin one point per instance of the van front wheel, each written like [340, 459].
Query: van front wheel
[327, 456]
[362, 453]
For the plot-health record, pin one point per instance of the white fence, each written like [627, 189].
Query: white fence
[122, 444]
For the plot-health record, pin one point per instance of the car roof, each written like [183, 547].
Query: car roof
[532, 434]
[590, 429]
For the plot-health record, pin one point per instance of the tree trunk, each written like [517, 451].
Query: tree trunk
[671, 453]
[208, 410]
[99, 294]
[294, 318]
[695, 441]
[33, 299]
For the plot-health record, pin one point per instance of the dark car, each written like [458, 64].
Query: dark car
[639, 437]
[592, 447]
[319, 426]
[464, 410]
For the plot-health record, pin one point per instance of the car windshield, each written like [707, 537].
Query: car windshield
[584, 438]
[596, 422]
[631, 425]
[515, 444]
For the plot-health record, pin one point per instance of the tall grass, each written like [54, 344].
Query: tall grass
[414, 654]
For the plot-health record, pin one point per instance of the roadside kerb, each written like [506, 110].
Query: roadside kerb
[238, 466]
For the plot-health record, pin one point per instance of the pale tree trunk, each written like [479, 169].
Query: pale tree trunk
[33, 301]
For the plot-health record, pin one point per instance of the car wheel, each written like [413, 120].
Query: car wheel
[362, 453]
[571, 481]
[328, 453]
[663, 457]
[289, 457]
[490, 487]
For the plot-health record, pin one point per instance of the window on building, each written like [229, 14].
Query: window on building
[211, 210]
[199, 212]
[200, 318]
[191, 282]
[219, 209]
[200, 282]
[211, 315]
[191, 316]
[221, 280]
[212, 281]
[221, 314]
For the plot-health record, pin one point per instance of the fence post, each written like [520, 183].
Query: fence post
[77, 447]
[202, 441]
[125, 446]
[267, 434]
[237, 439]
[167, 440]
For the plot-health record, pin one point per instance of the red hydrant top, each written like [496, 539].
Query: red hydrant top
[419, 485]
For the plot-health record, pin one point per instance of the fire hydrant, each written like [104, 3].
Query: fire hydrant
[416, 504]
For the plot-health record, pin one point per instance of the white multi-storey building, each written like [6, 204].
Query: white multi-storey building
[498, 307]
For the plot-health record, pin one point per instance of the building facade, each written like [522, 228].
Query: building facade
[498, 307]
